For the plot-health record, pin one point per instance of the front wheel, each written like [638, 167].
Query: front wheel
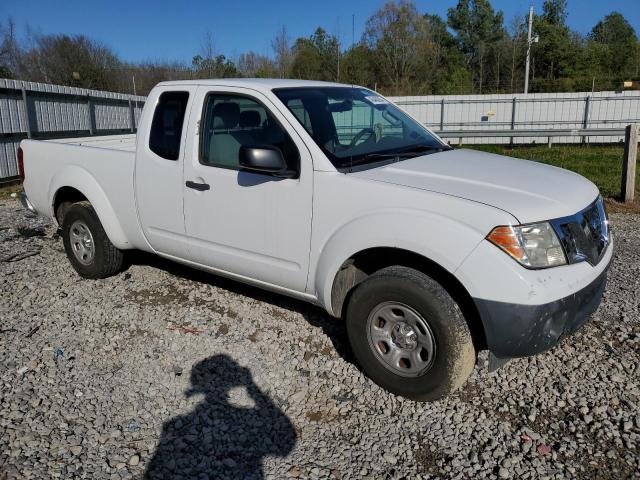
[88, 248]
[408, 334]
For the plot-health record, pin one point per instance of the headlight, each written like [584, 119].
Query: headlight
[534, 246]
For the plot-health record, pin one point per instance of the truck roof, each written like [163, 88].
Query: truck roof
[254, 83]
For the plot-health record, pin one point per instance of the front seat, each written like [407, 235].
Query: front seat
[224, 148]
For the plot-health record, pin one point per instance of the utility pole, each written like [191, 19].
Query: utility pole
[526, 68]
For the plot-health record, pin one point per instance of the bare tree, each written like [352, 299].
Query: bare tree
[9, 50]
[281, 46]
[252, 64]
[208, 50]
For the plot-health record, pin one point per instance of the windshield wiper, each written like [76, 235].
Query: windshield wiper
[401, 154]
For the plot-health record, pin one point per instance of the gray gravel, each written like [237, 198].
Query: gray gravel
[185, 375]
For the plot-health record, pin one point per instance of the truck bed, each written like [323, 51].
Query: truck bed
[102, 168]
[125, 143]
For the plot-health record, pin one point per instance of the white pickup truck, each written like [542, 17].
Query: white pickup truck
[332, 194]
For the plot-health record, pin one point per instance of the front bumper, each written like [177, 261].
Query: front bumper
[26, 203]
[516, 330]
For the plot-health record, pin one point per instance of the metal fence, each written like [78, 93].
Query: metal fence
[597, 117]
[38, 110]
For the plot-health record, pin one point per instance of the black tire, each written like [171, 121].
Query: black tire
[106, 259]
[454, 356]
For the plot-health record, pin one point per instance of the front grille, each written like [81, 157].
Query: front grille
[585, 235]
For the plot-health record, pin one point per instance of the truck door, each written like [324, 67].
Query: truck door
[159, 169]
[252, 225]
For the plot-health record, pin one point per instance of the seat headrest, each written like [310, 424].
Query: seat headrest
[250, 118]
[226, 115]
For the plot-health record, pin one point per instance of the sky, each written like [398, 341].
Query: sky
[140, 30]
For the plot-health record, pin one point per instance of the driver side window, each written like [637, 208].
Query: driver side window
[230, 122]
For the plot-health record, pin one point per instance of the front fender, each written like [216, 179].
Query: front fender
[442, 240]
[77, 177]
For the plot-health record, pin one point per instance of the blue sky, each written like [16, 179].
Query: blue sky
[174, 30]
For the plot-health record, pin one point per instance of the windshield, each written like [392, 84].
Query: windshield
[356, 127]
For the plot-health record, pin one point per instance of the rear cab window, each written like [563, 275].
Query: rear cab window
[166, 127]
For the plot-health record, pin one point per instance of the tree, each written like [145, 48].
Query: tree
[615, 41]
[479, 32]
[442, 65]
[215, 67]
[402, 51]
[251, 64]
[148, 74]
[283, 54]
[357, 66]
[316, 57]
[394, 33]
[210, 64]
[71, 60]
[9, 50]
[555, 55]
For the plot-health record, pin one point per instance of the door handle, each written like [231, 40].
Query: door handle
[197, 186]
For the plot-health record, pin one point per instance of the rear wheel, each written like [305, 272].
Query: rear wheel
[88, 248]
[409, 335]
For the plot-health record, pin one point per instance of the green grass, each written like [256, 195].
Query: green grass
[600, 164]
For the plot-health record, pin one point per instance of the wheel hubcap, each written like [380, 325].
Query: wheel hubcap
[404, 336]
[401, 339]
[82, 242]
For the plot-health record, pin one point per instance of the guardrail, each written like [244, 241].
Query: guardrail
[531, 112]
[549, 133]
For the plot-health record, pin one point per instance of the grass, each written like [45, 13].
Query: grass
[600, 164]
[7, 190]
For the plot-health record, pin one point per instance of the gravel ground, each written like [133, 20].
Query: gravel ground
[166, 370]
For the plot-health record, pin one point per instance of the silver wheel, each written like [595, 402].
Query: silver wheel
[81, 242]
[401, 339]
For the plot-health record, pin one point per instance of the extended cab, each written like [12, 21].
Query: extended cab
[332, 194]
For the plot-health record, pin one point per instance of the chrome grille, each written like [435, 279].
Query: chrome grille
[585, 235]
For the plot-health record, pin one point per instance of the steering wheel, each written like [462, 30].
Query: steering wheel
[358, 136]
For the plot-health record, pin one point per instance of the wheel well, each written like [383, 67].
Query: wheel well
[64, 198]
[361, 265]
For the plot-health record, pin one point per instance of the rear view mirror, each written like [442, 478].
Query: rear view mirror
[339, 107]
[265, 159]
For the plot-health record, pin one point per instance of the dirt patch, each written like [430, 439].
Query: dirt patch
[427, 458]
[278, 313]
[322, 416]
[616, 206]
[223, 329]
[9, 188]
[164, 297]
[315, 416]
[28, 232]
[253, 338]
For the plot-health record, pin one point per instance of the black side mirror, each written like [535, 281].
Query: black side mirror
[265, 159]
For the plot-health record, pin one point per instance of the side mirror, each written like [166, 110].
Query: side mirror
[265, 159]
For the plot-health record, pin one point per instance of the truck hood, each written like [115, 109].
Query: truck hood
[530, 191]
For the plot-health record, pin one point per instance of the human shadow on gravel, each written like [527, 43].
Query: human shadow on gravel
[316, 316]
[219, 439]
